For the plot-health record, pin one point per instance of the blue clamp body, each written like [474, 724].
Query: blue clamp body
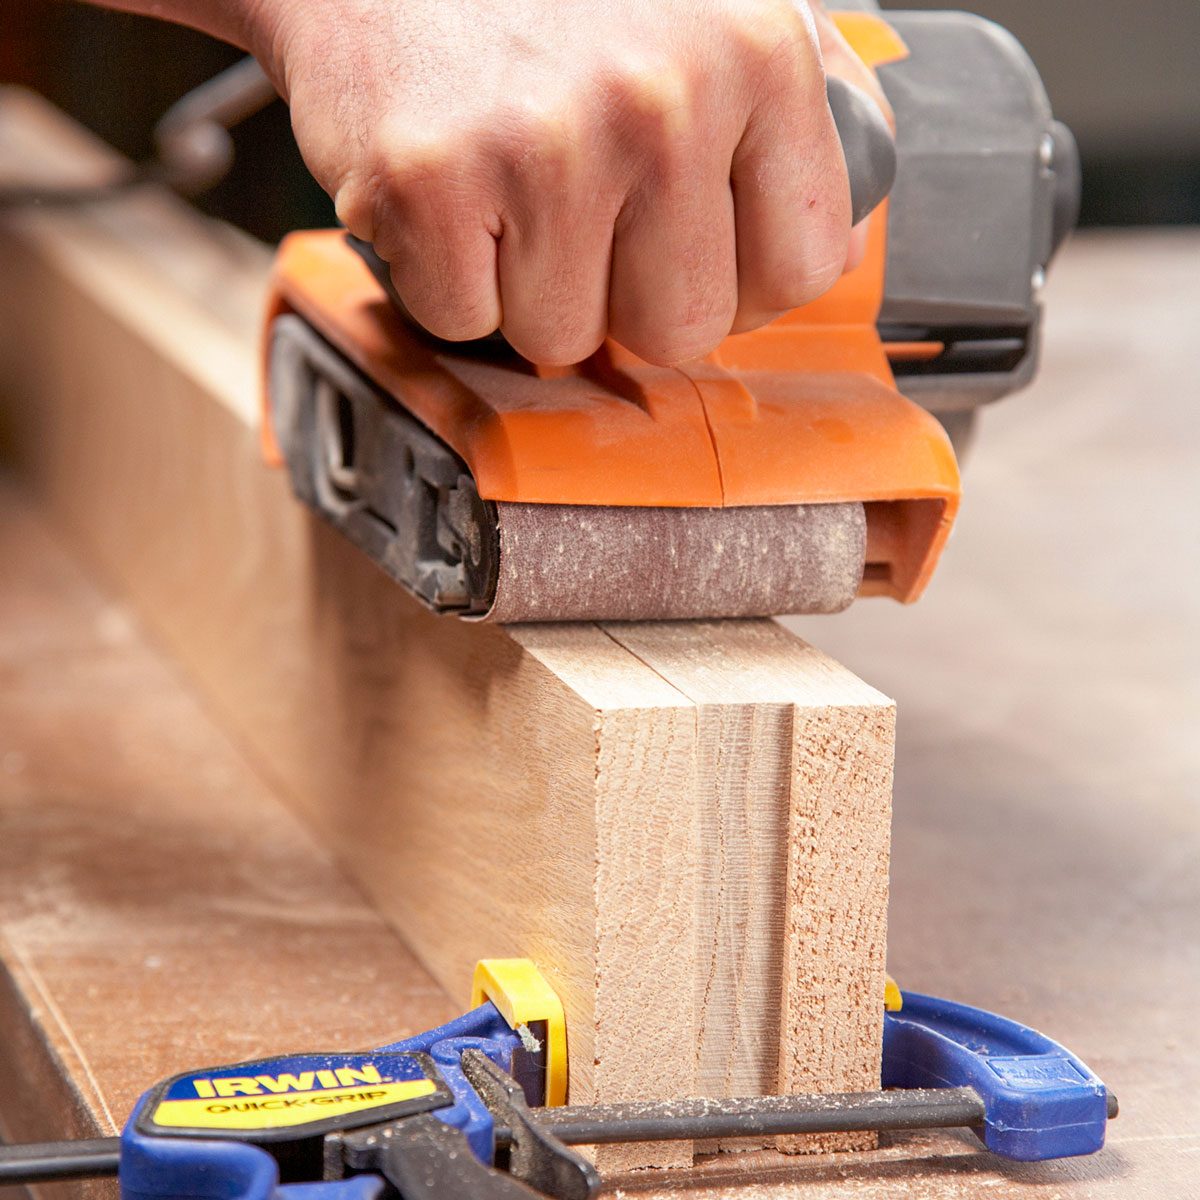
[1040, 1101]
[160, 1168]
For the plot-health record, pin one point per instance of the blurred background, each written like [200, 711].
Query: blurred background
[1123, 74]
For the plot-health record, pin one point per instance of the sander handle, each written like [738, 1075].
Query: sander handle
[867, 144]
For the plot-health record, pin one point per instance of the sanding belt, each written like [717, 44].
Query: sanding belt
[574, 562]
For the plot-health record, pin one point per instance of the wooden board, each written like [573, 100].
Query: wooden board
[687, 827]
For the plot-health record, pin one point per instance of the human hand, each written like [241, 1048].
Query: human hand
[659, 172]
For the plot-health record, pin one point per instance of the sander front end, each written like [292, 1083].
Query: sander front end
[789, 471]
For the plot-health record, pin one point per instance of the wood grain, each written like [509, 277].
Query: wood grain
[633, 807]
[798, 773]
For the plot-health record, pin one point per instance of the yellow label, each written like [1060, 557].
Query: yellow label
[276, 1108]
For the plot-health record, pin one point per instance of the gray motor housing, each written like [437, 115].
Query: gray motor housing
[986, 190]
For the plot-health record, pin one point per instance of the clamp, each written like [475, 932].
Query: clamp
[474, 1110]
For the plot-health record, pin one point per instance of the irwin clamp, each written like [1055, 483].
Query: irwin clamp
[475, 1109]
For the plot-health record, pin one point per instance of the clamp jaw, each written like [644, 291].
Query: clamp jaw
[1038, 1100]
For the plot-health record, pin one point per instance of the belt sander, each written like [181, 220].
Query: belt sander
[791, 470]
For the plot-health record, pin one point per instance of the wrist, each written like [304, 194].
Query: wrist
[276, 29]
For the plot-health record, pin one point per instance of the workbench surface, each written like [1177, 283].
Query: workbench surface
[159, 907]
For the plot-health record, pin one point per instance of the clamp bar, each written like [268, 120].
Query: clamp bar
[760, 1116]
[43, 1162]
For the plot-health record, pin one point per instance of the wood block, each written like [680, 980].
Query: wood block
[685, 825]
[797, 759]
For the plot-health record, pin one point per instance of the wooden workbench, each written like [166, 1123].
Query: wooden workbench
[1047, 859]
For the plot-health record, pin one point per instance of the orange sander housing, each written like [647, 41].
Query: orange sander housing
[783, 472]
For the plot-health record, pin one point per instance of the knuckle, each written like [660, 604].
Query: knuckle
[803, 279]
[826, 271]
[694, 309]
[411, 194]
[651, 104]
[467, 326]
[667, 349]
[540, 148]
[751, 317]
[444, 297]
[356, 202]
[397, 174]
[691, 335]
[558, 324]
[644, 82]
[766, 27]
[366, 203]
[773, 33]
[710, 299]
[707, 317]
[776, 46]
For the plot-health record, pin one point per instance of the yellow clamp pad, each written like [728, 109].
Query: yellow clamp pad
[523, 997]
[520, 992]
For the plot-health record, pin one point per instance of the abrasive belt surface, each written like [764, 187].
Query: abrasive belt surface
[575, 562]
